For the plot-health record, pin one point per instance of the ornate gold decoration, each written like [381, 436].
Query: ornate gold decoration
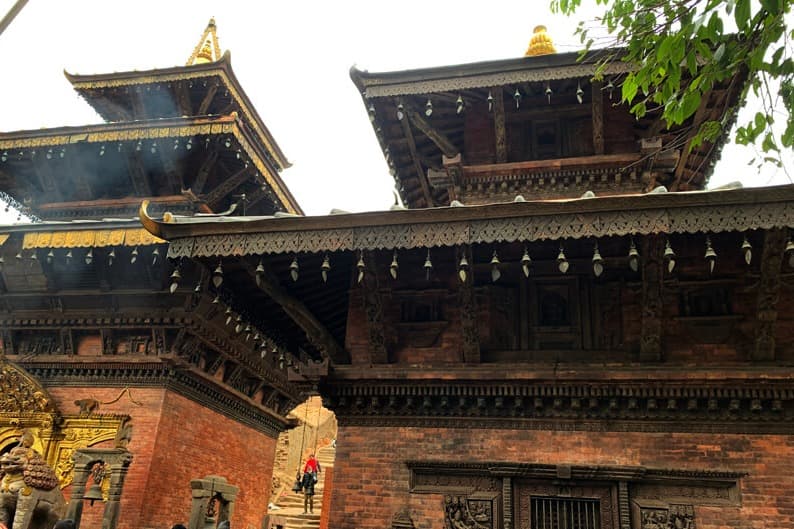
[20, 394]
[540, 43]
[207, 49]
[89, 238]
[3, 238]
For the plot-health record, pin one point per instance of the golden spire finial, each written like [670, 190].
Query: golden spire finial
[540, 43]
[207, 49]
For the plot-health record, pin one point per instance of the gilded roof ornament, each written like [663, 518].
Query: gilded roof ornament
[207, 49]
[540, 43]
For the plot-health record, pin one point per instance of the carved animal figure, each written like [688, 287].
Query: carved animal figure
[29, 494]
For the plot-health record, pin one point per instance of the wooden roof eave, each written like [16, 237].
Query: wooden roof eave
[484, 74]
[221, 67]
[686, 212]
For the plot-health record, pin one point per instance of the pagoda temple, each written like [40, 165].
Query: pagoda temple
[559, 327]
[103, 357]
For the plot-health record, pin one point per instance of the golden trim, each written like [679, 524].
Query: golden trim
[3, 238]
[89, 238]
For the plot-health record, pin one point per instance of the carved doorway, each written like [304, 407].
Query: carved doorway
[565, 505]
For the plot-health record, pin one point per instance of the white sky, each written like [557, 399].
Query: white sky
[292, 59]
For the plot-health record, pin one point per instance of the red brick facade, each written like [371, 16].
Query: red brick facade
[175, 440]
[370, 468]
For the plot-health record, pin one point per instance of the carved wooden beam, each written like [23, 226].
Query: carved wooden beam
[207, 101]
[140, 180]
[598, 118]
[204, 171]
[46, 179]
[768, 294]
[183, 98]
[442, 142]
[228, 185]
[500, 133]
[420, 174]
[700, 116]
[652, 275]
[315, 331]
[467, 305]
[373, 309]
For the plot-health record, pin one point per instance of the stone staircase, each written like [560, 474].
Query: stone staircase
[291, 503]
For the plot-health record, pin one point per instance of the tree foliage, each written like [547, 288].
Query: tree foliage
[683, 48]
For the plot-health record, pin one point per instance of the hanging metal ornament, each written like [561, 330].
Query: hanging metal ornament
[634, 257]
[495, 272]
[400, 112]
[517, 97]
[50, 256]
[175, 277]
[490, 101]
[526, 262]
[325, 267]
[134, 255]
[111, 256]
[579, 92]
[669, 257]
[68, 257]
[34, 256]
[711, 255]
[197, 288]
[217, 275]
[89, 256]
[229, 315]
[19, 255]
[155, 256]
[263, 352]
[789, 252]
[216, 300]
[428, 265]
[609, 88]
[281, 360]
[259, 273]
[247, 331]
[747, 251]
[598, 262]
[371, 111]
[394, 266]
[548, 92]
[463, 268]
[562, 262]
[239, 326]
[294, 268]
[459, 105]
[429, 108]
[361, 266]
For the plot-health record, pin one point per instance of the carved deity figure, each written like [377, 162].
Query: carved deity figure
[29, 493]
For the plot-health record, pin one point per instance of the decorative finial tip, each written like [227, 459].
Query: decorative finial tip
[540, 43]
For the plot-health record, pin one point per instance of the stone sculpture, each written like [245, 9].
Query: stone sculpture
[29, 493]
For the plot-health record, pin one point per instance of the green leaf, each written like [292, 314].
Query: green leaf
[742, 14]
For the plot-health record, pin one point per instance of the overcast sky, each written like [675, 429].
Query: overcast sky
[292, 59]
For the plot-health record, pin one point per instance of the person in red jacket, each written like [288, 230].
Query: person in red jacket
[310, 470]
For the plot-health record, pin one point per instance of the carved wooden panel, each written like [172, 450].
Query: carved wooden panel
[673, 516]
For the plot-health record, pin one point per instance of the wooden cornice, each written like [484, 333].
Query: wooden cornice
[618, 161]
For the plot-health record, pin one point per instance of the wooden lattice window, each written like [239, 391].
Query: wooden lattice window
[564, 513]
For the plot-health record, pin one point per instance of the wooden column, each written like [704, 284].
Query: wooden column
[598, 118]
[768, 294]
[652, 275]
[373, 309]
[467, 304]
[499, 125]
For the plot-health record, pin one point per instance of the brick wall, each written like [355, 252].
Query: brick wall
[370, 468]
[176, 440]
